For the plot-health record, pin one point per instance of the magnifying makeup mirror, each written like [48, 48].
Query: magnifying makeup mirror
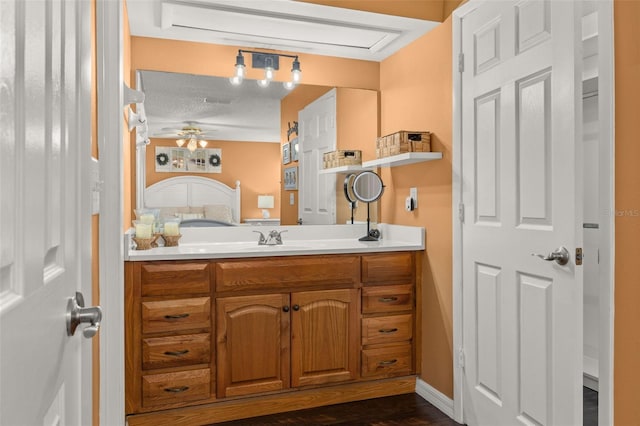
[367, 187]
[348, 192]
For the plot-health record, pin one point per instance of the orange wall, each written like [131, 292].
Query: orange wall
[255, 164]
[213, 59]
[627, 204]
[422, 71]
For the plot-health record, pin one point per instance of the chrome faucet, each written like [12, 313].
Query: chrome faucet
[273, 239]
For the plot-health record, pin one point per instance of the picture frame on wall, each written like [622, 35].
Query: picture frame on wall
[291, 178]
[286, 153]
[294, 149]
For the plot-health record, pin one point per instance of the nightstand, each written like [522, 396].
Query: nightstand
[274, 221]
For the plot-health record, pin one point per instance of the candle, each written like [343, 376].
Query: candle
[143, 230]
[147, 218]
[171, 229]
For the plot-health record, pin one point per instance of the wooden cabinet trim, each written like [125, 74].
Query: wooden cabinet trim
[174, 278]
[388, 268]
[282, 273]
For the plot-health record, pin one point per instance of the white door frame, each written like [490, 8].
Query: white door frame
[607, 215]
[109, 52]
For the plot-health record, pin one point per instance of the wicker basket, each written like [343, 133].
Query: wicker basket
[342, 157]
[144, 243]
[171, 240]
[401, 142]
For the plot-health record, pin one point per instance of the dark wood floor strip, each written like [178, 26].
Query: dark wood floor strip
[400, 410]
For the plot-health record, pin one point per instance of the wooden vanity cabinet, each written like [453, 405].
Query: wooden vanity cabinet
[388, 315]
[168, 346]
[201, 336]
[252, 344]
[278, 340]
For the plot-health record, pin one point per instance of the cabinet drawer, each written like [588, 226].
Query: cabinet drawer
[388, 329]
[166, 278]
[175, 315]
[176, 351]
[387, 268]
[173, 388]
[386, 362]
[390, 298]
[279, 273]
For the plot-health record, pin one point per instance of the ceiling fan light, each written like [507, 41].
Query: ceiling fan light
[202, 143]
[192, 145]
[180, 142]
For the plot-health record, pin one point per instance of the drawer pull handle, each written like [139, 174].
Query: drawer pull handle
[177, 353]
[388, 330]
[177, 390]
[177, 316]
[387, 299]
[389, 362]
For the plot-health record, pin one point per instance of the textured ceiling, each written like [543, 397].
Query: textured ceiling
[222, 111]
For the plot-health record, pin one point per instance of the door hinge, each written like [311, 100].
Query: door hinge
[578, 256]
[461, 212]
[461, 357]
[460, 62]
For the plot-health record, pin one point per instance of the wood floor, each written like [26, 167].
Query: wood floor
[409, 409]
[405, 410]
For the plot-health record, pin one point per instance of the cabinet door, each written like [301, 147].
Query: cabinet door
[325, 336]
[252, 344]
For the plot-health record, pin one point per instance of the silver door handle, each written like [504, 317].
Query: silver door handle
[77, 314]
[560, 255]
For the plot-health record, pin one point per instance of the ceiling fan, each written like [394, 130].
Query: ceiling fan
[191, 135]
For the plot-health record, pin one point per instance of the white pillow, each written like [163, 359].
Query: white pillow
[186, 216]
[219, 212]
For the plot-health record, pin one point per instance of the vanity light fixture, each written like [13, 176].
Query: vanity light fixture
[269, 62]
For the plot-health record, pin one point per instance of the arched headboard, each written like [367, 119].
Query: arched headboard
[193, 191]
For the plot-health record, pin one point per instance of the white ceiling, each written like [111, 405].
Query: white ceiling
[247, 112]
[277, 24]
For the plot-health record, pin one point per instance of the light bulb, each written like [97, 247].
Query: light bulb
[289, 85]
[268, 73]
[202, 143]
[180, 142]
[192, 145]
[296, 73]
[263, 83]
[240, 71]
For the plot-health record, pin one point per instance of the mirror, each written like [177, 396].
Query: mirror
[245, 121]
[367, 187]
[348, 193]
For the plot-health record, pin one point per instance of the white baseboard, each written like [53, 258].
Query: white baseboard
[435, 397]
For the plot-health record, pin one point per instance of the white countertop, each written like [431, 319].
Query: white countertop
[242, 242]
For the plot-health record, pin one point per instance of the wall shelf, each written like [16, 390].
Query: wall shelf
[345, 169]
[403, 159]
[393, 161]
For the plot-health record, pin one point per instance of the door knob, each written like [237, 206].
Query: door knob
[77, 314]
[560, 255]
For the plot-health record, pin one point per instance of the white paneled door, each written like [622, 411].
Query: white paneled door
[318, 134]
[522, 315]
[45, 226]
